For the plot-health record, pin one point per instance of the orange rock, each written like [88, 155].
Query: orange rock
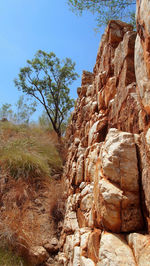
[93, 245]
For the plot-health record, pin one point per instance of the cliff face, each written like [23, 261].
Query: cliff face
[107, 218]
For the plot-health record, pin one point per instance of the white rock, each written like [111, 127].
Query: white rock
[92, 131]
[79, 174]
[110, 193]
[38, 254]
[148, 136]
[89, 90]
[62, 259]
[76, 141]
[87, 203]
[76, 240]
[86, 262]
[82, 185]
[68, 246]
[70, 222]
[119, 161]
[114, 251]
[87, 190]
[76, 256]
[140, 244]
[84, 240]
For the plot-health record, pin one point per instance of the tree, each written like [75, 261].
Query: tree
[44, 121]
[106, 10]
[6, 111]
[24, 111]
[46, 78]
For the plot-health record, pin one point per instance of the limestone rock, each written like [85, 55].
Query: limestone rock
[68, 247]
[38, 254]
[90, 161]
[93, 245]
[107, 169]
[62, 259]
[76, 256]
[119, 161]
[140, 245]
[85, 261]
[87, 190]
[115, 251]
[70, 222]
[79, 171]
[116, 202]
[86, 202]
[109, 207]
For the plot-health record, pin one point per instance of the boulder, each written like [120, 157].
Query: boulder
[116, 186]
[38, 255]
[140, 245]
[115, 251]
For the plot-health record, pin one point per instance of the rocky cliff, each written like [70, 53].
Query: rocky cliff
[107, 177]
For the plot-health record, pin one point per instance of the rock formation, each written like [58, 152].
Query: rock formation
[107, 220]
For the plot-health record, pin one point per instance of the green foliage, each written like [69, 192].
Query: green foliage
[45, 123]
[6, 111]
[22, 114]
[8, 258]
[28, 153]
[46, 78]
[24, 111]
[106, 10]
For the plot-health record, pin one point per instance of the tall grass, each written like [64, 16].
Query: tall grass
[28, 151]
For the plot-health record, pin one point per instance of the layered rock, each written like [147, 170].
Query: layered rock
[107, 169]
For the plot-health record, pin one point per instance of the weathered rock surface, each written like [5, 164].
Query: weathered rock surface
[117, 184]
[107, 170]
[115, 251]
[140, 245]
[38, 255]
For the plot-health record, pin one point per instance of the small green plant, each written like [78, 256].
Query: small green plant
[9, 258]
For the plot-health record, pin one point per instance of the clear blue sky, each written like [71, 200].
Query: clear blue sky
[29, 25]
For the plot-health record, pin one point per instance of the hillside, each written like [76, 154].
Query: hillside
[30, 191]
[95, 209]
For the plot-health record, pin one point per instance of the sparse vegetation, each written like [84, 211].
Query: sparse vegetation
[20, 113]
[106, 10]
[30, 189]
[8, 258]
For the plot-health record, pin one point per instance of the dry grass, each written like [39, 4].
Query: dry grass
[31, 201]
[28, 152]
[31, 213]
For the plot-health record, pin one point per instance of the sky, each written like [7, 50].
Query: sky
[29, 25]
